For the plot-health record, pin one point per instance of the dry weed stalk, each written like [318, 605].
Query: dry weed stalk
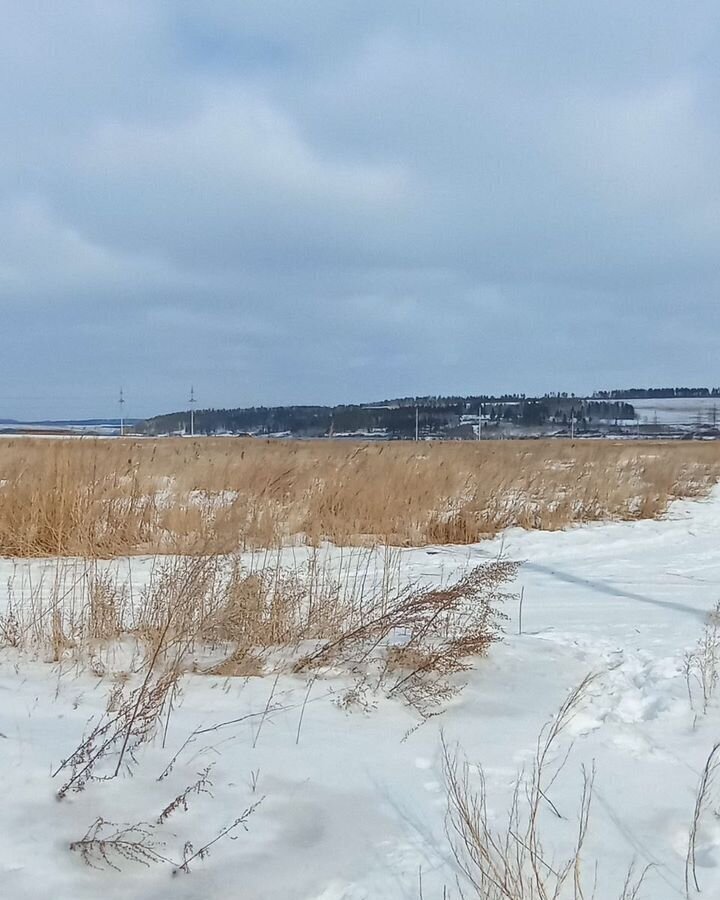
[118, 735]
[425, 634]
[59, 607]
[199, 732]
[510, 861]
[701, 799]
[203, 785]
[462, 623]
[11, 634]
[107, 844]
[133, 718]
[106, 602]
[190, 854]
[701, 665]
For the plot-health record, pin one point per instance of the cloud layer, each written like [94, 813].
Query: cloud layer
[319, 202]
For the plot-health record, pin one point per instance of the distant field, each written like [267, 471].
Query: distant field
[106, 498]
[678, 410]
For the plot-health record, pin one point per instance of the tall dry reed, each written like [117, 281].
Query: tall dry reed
[103, 498]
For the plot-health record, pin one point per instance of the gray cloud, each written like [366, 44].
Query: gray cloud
[322, 202]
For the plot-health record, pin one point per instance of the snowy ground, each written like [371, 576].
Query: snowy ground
[678, 410]
[354, 801]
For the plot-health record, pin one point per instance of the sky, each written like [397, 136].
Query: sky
[323, 202]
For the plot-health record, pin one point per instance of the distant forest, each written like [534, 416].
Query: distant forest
[656, 393]
[442, 417]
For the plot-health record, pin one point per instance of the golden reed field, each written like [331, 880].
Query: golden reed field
[102, 498]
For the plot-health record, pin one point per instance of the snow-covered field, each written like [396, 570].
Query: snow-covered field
[678, 410]
[353, 796]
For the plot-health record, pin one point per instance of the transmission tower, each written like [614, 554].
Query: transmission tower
[121, 403]
[192, 401]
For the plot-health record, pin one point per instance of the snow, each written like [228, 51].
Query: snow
[354, 799]
[677, 410]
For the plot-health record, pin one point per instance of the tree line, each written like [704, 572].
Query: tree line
[436, 416]
[657, 393]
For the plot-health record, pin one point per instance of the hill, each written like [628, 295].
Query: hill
[440, 417]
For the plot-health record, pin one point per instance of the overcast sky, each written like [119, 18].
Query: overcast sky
[347, 200]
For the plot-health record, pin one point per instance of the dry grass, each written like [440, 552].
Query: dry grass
[701, 664]
[232, 615]
[702, 798]
[104, 498]
[415, 642]
[507, 860]
[206, 606]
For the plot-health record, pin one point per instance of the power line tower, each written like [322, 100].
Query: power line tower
[192, 401]
[121, 404]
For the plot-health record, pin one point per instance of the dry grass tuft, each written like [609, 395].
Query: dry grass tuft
[509, 861]
[416, 641]
[701, 664]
